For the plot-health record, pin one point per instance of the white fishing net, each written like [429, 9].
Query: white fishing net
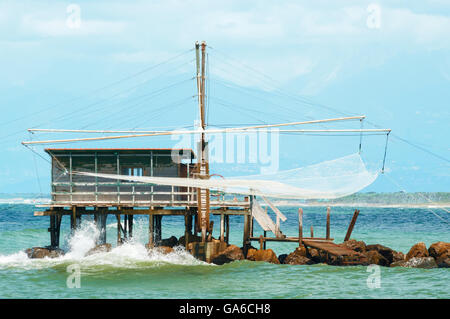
[326, 180]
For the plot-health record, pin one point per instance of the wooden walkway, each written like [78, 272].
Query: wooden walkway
[348, 256]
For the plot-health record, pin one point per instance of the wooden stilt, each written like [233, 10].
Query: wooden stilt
[130, 226]
[151, 232]
[300, 227]
[264, 242]
[125, 226]
[210, 230]
[227, 227]
[186, 230]
[352, 224]
[58, 229]
[328, 223]
[196, 223]
[119, 230]
[100, 219]
[261, 242]
[55, 226]
[158, 232]
[312, 232]
[251, 226]
[73, 219]
[245, 240]
[222, 227]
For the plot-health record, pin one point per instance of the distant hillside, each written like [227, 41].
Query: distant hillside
[371, 198]
[395, 198]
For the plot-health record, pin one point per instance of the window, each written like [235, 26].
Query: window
[133, 171]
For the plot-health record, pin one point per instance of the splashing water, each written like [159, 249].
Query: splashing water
[131, 254]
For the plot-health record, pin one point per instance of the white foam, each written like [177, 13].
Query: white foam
[131, 254]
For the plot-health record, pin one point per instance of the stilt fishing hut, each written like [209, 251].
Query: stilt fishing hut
[77, 195]
[160, 182]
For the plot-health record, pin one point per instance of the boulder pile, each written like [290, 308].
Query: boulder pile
[43, 252]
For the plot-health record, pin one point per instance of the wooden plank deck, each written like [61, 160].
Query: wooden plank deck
[331, 248]
[346, 255]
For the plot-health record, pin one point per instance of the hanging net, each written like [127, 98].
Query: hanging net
[326, 180]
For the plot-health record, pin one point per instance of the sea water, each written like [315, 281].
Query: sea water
[129, 271]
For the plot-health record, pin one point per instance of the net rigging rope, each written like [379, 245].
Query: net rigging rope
[306, 101]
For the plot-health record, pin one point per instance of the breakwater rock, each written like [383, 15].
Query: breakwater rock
[44, 252]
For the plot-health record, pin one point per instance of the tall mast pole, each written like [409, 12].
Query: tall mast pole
[203, 165]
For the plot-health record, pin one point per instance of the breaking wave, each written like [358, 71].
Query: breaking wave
[130, 255]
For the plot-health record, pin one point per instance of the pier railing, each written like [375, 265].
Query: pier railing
[129, 194]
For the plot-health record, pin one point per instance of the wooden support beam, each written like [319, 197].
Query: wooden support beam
[158, 230]
[328, 222]
[130, 211]
[196, 223]
[151, 231]
[227, 227]
[261, 242]
[210, 230]
[300, 226]
[246, 237]
[222, 227]
[187, 229]
[352, 224]
[125, 227]
[264, 242]
[119, 230]
[100, 216]
[291, 239]
[312, 231]
[55, 227]
[130, 226]
[73, 219]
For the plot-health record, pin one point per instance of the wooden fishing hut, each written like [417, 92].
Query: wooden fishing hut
[77, 195]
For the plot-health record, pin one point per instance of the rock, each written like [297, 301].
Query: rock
[248, 246]
[44, 252]
[416, 262]
[282, 258]
[418, 250]
[231, 253]
[192, 238]
[386, 252]
[374, 257]
[104, 248]
[314, 255]
[160, 249]
[355, 245]
[266, 255]
[165, 249]
[440, 251]
[444, 263]
[400, 263]
[298, 257]
[421, 262]
[398, 256]
[169, 242]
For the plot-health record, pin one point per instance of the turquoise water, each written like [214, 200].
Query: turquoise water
[129, 272]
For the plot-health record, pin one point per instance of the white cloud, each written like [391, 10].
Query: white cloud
[58, 27]
[290, 38]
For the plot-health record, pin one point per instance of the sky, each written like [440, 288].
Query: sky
[68, 65]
